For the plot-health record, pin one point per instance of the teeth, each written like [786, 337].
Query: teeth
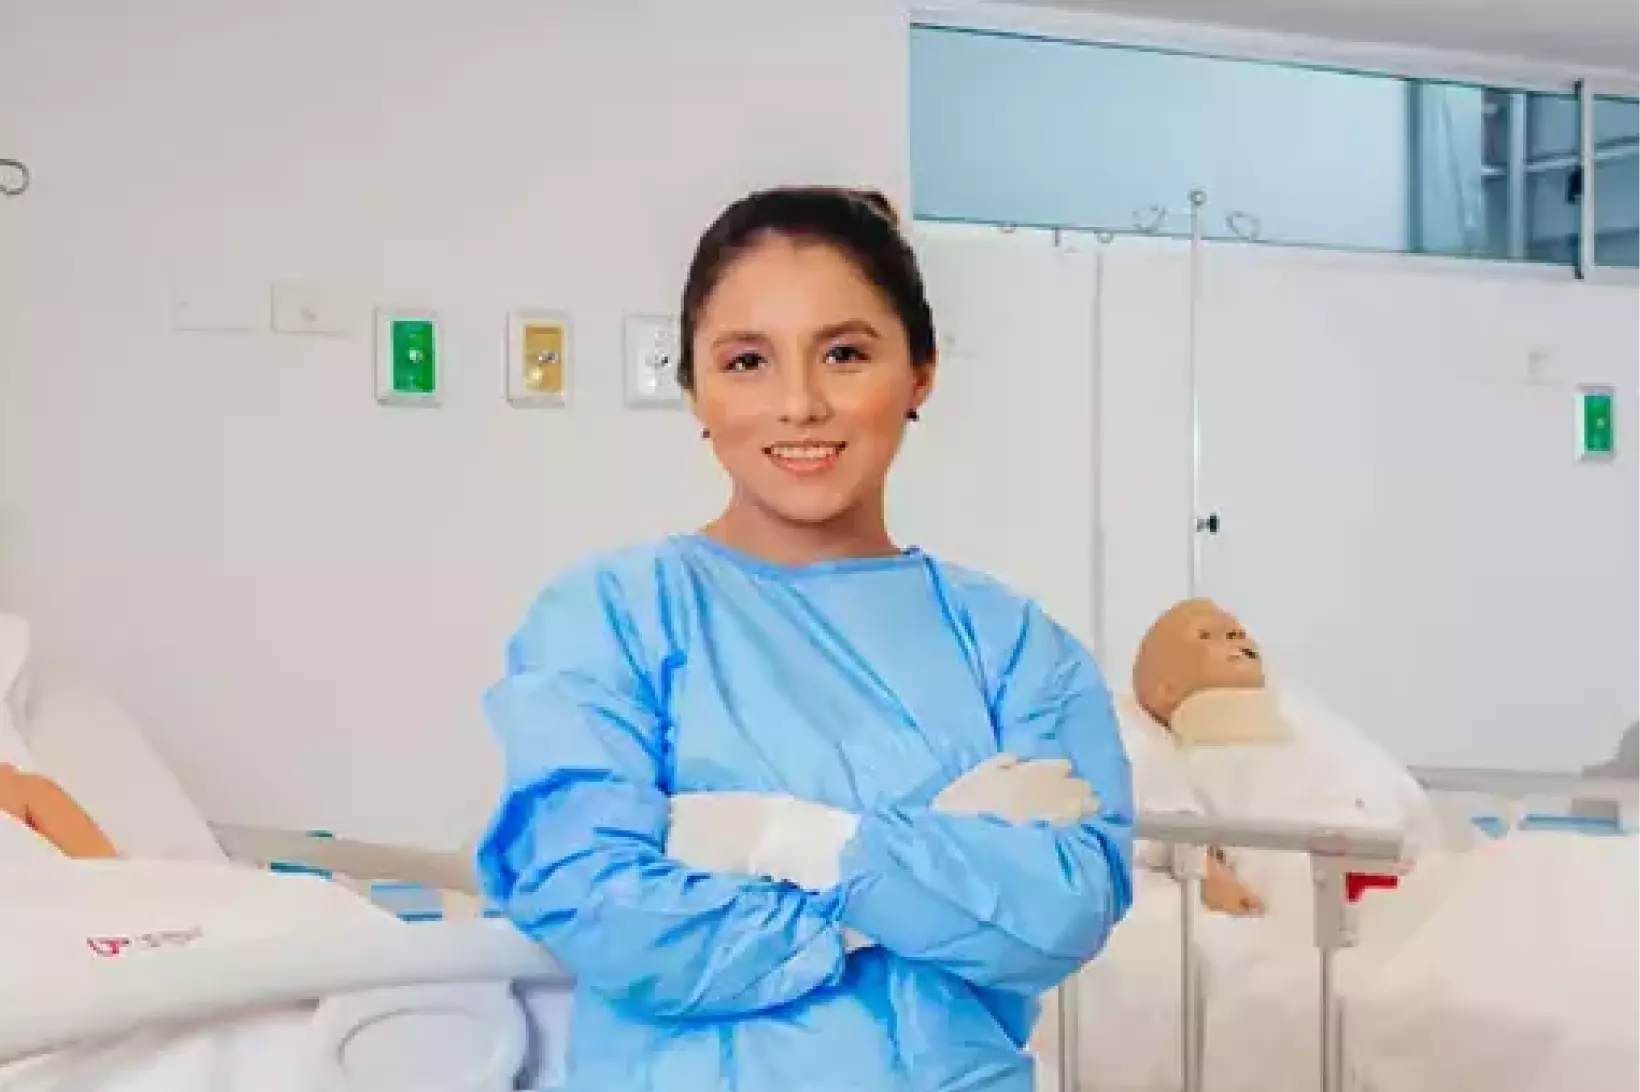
[804, 451]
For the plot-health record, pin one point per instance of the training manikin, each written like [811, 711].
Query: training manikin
[1256, 752]
[1198, 669]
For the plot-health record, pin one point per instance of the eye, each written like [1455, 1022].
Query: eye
[845, 355]
[744, 362]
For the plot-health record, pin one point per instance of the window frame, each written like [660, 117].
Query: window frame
[1405, 62]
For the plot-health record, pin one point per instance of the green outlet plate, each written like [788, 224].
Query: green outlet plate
[1597, 424]
[407, 358]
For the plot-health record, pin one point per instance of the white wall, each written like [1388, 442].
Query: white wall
[1407, 525]
[1001, 474]
[1391, 444]
[302, 593]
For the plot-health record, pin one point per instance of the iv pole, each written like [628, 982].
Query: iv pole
[1198, 524]
[1150, 221]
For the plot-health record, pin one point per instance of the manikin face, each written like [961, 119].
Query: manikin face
[1195, 646]
[804, 380]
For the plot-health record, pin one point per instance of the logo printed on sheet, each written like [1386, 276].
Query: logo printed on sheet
[114, 947]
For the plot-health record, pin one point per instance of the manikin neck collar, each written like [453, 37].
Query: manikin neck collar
[1230, 717]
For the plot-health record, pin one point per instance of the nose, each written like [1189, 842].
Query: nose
[803, 397]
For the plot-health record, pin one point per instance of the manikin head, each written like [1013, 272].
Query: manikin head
[1194, 646]
[807, 344]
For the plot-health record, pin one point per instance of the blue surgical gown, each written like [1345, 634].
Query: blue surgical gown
[867, 685]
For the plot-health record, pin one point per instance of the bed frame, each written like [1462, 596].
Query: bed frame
[392, 990]
[1335, 853]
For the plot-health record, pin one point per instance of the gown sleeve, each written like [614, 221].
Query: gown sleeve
[575, 853]
[1014, 908]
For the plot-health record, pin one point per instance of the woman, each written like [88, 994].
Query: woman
[908, 811]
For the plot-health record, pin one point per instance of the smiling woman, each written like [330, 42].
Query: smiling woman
[807, 345]
[800, 808]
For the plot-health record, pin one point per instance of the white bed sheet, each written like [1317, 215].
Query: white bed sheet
[1509, 968]
[61, 921]
[271, 1051]
[177, 889]
[90, 947]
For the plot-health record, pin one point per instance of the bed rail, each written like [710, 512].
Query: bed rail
[1335, 852]
[357, 860]
[1589, 795]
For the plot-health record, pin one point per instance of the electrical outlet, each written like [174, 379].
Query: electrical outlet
[302, 308]
[538, 358]
[408, 360]
[1597, 436]
[652, 361]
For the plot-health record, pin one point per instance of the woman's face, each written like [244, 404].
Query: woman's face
[803, 378]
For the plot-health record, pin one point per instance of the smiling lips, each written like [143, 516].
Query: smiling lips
[804, 459]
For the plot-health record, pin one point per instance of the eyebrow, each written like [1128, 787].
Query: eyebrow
[856, 327]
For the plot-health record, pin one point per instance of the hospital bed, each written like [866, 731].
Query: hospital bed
[436, 1000]
[435, 993]
[1416, 989]
[398, 979]
[466, 1003]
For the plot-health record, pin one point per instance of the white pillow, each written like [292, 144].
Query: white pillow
[84, 741]
[13, 750]
[1161, 780]
[14, 657]
[22, 844]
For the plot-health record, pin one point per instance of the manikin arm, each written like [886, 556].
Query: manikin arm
[42, 805]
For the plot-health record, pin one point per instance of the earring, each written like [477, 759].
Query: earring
[911, 415]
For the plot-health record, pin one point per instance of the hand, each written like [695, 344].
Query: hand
[716, 831]
[1020, 791]
[779, 837]
[760, 834]
[1223, 891]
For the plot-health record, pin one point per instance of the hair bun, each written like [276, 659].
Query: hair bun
[879, 204]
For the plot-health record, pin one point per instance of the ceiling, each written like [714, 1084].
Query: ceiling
[1593, 33]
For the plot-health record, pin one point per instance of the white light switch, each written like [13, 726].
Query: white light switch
[303, 308]
[652, 361]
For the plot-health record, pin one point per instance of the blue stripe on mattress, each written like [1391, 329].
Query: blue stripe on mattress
[1581, 824]
[1493, 826]
[411, 902]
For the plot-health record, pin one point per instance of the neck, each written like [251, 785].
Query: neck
[749, 528]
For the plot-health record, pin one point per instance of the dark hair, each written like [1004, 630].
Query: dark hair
[860, 223]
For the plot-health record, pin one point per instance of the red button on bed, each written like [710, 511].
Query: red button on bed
[1357, 884]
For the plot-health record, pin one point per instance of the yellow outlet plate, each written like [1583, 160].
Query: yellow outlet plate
[538, 359]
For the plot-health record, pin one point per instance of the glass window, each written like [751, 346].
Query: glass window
[1031, 131]
[1617, 182]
